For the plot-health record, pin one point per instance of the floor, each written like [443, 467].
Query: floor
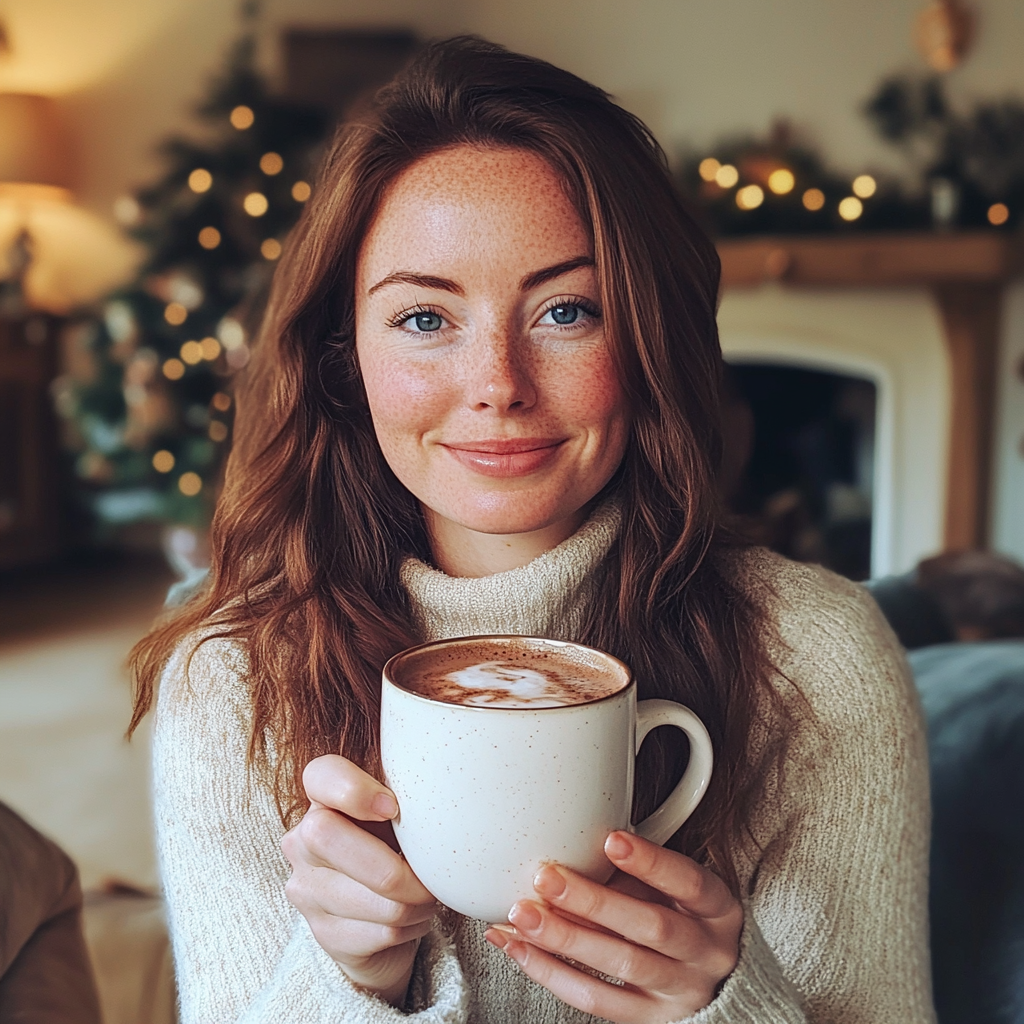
[65, 631]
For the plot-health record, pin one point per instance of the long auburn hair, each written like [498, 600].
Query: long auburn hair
[312, 526]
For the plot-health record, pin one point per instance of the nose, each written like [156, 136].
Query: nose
[498, 375]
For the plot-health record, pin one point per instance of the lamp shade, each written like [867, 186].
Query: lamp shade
[34, 147]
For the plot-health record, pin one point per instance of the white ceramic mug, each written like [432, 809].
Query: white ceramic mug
[487, 795]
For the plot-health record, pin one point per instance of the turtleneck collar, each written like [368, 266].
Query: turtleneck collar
[547, 597]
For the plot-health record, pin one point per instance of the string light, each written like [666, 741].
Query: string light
[813, 199]
[221, 401]
[270, 248]
[211, 348]
[708, 168]
[998, 213]
[190, 484]
[864, 186]
[271, 163]
[851, 208]
[255, 204]
[200, 180]
[726, 176]
[175, 314]
[301, 191]
[781, 181]
[209, 238]
[191, 353]
[750, 197]
[218, 431]
[242, 117]
[174, 369]
[163, 461]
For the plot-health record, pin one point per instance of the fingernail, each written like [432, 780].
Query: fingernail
[549, 882]
[525, 917]
[618, 845]
[496, 937]
[385, 805]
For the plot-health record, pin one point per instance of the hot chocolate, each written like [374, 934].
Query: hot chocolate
[505, 674]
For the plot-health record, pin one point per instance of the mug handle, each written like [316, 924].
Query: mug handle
[683, 800]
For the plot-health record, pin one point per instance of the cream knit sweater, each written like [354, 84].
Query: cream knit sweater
[835, 919]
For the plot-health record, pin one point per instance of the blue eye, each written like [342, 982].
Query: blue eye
[427, 322]
[565, 315]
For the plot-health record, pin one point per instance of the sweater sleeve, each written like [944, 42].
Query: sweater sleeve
[836, 915]
[242, 952]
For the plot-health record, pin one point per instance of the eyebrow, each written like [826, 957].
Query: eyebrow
[443, 284]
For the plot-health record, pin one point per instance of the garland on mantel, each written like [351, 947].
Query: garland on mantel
[967, 171]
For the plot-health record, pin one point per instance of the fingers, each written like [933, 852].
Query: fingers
[591, 995]
[327, 839]
[695, 890]
[352, 942]
[336, 782]
[609, 954]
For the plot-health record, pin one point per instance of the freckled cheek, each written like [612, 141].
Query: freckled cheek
[589, 394]
[405, 402]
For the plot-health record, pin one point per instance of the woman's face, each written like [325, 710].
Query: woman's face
[481, 344]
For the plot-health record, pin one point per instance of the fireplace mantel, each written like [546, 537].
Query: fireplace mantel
[966, 273]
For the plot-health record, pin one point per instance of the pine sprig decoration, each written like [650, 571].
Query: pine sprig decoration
[147, 402]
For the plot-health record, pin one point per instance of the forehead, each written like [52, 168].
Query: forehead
[490, 201]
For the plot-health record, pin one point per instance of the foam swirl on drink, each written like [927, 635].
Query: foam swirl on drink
[522, 678]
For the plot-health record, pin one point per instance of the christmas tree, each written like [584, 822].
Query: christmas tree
[147, 397]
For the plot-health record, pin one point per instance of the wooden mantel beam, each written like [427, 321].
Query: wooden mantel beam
[966, 273]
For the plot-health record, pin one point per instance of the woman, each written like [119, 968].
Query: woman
[485, 400]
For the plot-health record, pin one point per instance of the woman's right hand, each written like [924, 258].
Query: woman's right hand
[363, 903]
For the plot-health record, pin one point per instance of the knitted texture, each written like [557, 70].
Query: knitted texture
[835, 929]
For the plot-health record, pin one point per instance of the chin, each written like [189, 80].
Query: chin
[509, 514]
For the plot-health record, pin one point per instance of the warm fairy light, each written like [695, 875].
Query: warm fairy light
[174, 369]
[750, 197]
[242, 117]
[726, 176]
[708, 168]
[209, 238]
[163, 461]
[210, 347]
[301, 191]
[200, 180]
[851, 208]
[271, 163]
[864, 186]
[270, 248]
[231, 333]
[998, 213]
[218, 431]
[255, 204]
[221, 401]
[781, 181]
[814, 199]
[191, 353]
[175, 314]
[190, 484]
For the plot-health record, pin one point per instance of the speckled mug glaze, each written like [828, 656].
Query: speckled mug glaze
[488, 795]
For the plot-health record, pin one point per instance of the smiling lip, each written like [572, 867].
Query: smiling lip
[516, 457]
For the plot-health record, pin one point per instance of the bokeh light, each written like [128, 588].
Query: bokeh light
[781, 181]
[191, 353]
[301, 191]
[221, 401]
[242, 117]
[271, 163]
[851, 208]
[814, 199]
[163, 461]
[270, 248]
[174, 369]
[998, 213]
[864, 186]
[255, 204]
[708, 168]
[190, 484]
[200, 180]
[726, 176]
[175, 314]
[218, 431]
[750, 197]
[210, 348]
[209, 238]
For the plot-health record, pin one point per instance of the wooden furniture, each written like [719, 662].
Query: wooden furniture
[966, 273]
[29, 509]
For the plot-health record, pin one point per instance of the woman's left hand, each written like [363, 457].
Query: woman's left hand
[666, 927]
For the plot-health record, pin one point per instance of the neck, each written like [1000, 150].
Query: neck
[459, 551]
